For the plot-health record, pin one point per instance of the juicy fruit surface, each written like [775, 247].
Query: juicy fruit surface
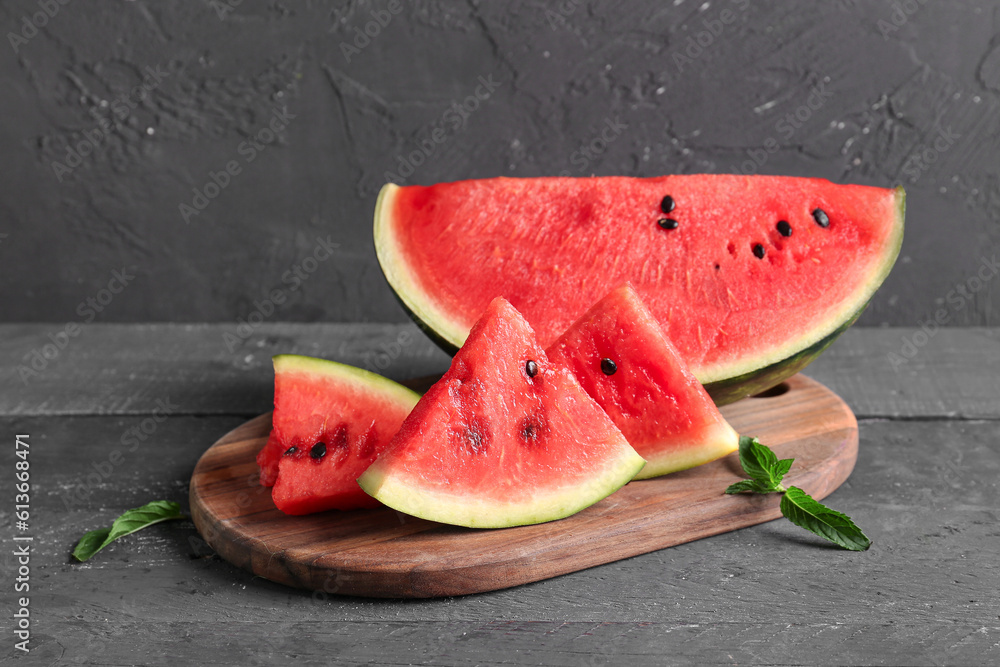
[492, 445]
[618, 353]
[330, 422]
[734, 289]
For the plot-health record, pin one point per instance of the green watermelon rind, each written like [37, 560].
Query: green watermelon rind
[403, 493]
[399, 277]
[720, 441]
[742, 382]
[749, 384]
[755, 381]
[372, 382]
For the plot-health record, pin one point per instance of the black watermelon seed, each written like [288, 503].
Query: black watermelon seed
[784, 228]
[667, 205]
[531, 368]
[291, 450]
[318, 450]
[821, 218]
[667, 223]
[608, 367]
[717, 267]
[758, 251]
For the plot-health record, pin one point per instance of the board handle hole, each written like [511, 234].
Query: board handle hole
[776, 390]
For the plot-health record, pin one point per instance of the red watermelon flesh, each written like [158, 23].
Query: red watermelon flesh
[619, 354]
[742, 272]
[330, 422]
[505, 438]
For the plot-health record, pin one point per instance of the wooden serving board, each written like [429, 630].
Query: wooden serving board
[384, 553]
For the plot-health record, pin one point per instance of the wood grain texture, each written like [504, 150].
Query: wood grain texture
[383, 553]
[464, 642]
[925, 491]
[131, 369]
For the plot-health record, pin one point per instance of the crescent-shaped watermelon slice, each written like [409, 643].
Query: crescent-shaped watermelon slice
[751, 277]
[504, 438]
[620, 356]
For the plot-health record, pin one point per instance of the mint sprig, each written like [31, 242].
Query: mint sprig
[126, 524]
[799, 508]
[766, 472]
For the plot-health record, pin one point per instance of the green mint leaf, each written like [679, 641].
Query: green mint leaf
[748, 485]
[754, 459]
[126, 524]
[766, 473]
[799, 508]
[781, 469]
[91, 543]
[760, 463]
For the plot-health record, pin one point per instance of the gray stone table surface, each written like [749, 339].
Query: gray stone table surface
[925, 490]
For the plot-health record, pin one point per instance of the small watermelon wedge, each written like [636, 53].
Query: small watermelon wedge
[751, 277]
[620, 356]
[330, 422]
[505, 438]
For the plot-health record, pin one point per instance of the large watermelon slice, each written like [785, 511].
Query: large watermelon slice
[750, 276]
[330, 422]
[621, 358]
[505, 438]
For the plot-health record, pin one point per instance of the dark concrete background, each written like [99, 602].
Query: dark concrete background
[899, 92]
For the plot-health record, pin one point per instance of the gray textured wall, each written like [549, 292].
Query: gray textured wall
[161, 95]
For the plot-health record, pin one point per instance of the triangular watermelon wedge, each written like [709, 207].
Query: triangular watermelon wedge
[621, 357]
[330, 422]
[505, 438]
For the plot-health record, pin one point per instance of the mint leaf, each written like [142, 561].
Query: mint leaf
[781, 469]
[799, 508]
[756, 459]
[760, 463]
[748, 485]
[126, 524]
[766, 473]
[91, 543]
